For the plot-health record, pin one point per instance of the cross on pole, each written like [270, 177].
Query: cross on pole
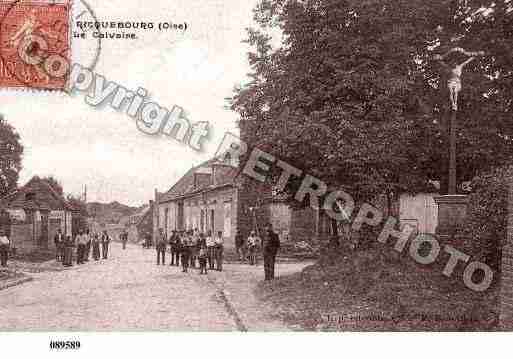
[454, 85]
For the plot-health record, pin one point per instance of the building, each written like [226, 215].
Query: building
[215, 197]
[132, 219]
[130, 223]
[35, 213]
[145, 225]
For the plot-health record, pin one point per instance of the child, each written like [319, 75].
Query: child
[253, 243]
[202, 258]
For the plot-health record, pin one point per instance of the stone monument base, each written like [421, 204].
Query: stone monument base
[452, 211]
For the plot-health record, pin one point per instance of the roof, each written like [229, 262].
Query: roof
[148, 212]
[187, 185]
[141, 212]
[46, 198]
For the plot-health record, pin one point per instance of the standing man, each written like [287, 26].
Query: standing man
[193, 244]
[239, 246]
[184, 251]
[172, 248]
[161, 247]
[78, 241]
[219, 242]
[124, 238]
[96, 247]
[271, 245]
[211, 249]
[5, 244]
[59, 245]
[82, 247]
[68, 252]
[105, 244]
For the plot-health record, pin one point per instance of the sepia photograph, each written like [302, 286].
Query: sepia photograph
[277, 167]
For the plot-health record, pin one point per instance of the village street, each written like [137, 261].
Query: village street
[130, 292]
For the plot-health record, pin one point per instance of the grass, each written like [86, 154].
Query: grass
[374, 291]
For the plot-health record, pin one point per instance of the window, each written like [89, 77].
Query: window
[228, 158]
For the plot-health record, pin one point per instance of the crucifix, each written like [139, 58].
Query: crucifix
[454, 85]
[455, 72]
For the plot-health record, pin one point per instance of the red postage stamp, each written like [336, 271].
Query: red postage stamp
[34, 44]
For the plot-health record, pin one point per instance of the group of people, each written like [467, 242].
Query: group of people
[84, 242]
[248, 249]
[191, 248]
[268, 245]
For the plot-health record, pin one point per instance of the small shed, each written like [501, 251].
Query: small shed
[36, 211]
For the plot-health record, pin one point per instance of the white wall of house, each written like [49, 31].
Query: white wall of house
[419, 211]
[167, 216]
[215, 211]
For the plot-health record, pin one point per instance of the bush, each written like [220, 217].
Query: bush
[487, 220]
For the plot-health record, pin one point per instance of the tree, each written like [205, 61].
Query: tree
[81, 214]
[366, 102]
[11, 151]
[55, 184]
[487, 221]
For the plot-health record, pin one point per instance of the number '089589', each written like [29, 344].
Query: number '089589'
[65, 345]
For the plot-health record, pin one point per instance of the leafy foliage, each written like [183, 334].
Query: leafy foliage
[11, 151]
[365, 104]
[487, 221]
[55, 184]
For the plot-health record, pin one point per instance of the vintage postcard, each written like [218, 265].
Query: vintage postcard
[255, 166]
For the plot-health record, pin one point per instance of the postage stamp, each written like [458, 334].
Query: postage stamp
[34, 41]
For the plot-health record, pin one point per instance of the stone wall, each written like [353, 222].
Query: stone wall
[303, 224]
[21, 237]
[506, 295]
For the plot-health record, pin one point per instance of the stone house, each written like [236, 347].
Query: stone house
[215, 197]
[36, 211]
[134, 224]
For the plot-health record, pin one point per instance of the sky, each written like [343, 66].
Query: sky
[102, 148]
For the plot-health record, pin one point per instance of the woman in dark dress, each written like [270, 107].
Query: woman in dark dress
[68, 252]
[88, 245]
